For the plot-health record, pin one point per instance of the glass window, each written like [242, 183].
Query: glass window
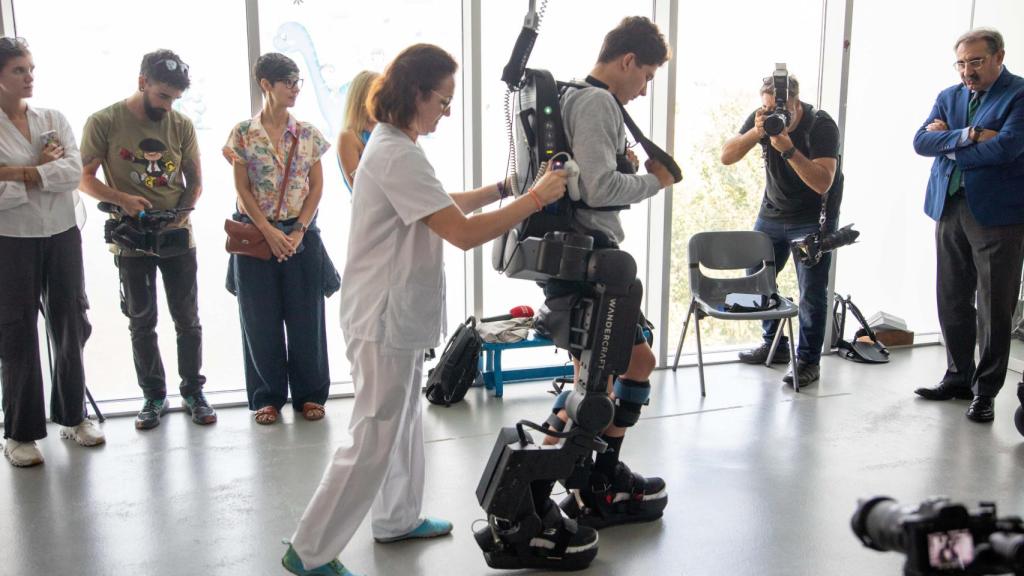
[89, 58]
[718, 80]
[885, 178]
[332, 42]
[568, 45]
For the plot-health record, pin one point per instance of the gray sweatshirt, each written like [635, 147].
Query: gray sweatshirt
[596, 133]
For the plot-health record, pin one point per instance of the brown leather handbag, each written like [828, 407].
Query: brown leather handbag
[245, 239]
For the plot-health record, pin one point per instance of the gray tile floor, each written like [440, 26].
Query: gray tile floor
[761, 481]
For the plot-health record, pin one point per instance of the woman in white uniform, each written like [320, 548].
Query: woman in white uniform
[391, 310]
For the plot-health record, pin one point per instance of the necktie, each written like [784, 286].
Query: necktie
[957, 177]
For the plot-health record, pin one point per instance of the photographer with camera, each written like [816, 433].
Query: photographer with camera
[974, 196]
[150, 160]
[40, 263]
[803, 191]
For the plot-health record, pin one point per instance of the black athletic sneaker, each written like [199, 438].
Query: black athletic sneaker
[759, 355]
[625, 498]
[561, 544]
[197, 406]
[149, 416]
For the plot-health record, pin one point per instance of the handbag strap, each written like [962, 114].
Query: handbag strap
[284, 181]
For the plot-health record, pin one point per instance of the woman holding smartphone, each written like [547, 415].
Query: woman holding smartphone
[40, 261]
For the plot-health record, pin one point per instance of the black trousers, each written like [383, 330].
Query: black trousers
[977, 266]
[284, 334]
[47, 269]
[139, 304]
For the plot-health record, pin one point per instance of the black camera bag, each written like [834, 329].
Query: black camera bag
[448, 382]
[871, 352]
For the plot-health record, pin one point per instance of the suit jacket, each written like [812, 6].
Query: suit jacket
[993, 171]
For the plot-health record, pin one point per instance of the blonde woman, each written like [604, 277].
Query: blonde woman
[358, 125]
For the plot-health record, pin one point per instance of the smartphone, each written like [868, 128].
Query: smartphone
[50, 137]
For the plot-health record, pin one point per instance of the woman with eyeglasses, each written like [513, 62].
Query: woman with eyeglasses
[279, 182]
[358, 125]
[392, 310]
[40, 262]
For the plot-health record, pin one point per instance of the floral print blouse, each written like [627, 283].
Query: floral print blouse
[265, 160]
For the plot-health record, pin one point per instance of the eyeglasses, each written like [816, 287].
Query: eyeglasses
[171, 64]
[13, 42]
[446, 101]
[973, 64]
[292, 83]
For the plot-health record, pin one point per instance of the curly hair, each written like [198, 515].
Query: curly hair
[166, 67]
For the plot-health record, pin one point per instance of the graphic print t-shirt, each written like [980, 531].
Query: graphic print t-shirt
[141, 157]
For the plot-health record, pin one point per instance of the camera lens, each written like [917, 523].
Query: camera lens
[774, 124]
[877, 522]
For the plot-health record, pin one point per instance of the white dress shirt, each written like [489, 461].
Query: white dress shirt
[53, 206]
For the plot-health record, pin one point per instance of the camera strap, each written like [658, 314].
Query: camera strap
[823, 216]
[652, 149]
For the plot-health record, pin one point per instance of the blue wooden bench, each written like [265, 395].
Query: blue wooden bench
[494, 377]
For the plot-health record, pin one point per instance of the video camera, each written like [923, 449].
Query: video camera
[942, 538]
[810, 250]
[147, 232]
[776, 122]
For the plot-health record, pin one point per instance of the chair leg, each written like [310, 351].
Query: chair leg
[700, 354]
[682, 335]
[775, 344]
[792, 355]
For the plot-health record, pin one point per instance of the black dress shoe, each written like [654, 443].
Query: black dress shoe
[945, 391]
[982, 409]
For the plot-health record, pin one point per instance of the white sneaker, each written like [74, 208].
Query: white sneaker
[22, 454]
[86, 433]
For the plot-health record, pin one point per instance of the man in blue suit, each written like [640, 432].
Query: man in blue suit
[975, 132]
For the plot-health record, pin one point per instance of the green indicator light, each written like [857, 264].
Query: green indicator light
[547, 110]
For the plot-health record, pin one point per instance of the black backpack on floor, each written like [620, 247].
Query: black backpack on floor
[458, 367]
[872, 352]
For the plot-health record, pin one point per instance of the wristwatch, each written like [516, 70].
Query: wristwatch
[303, 227]
[973, 133]
[787, 154]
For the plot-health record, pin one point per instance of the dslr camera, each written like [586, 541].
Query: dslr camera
[776, 122]
[146, 233]
[810, 250]
[942, 538]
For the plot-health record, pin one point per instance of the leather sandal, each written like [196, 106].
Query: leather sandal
[312, 411]
[267, 415]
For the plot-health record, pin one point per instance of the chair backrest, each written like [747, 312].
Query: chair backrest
[733, 250]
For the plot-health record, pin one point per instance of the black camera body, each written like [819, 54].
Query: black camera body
[942, 538]
[776, 122]
[810, 250]
[146, 233]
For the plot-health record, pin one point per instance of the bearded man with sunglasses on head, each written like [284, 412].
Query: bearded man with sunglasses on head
[150, 160]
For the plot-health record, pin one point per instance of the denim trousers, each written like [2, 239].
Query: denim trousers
[813, 283]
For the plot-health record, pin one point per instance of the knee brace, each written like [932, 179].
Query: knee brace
[630, 397]
[553, 421]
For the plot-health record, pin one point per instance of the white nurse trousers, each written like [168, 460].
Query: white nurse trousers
[383, 467]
